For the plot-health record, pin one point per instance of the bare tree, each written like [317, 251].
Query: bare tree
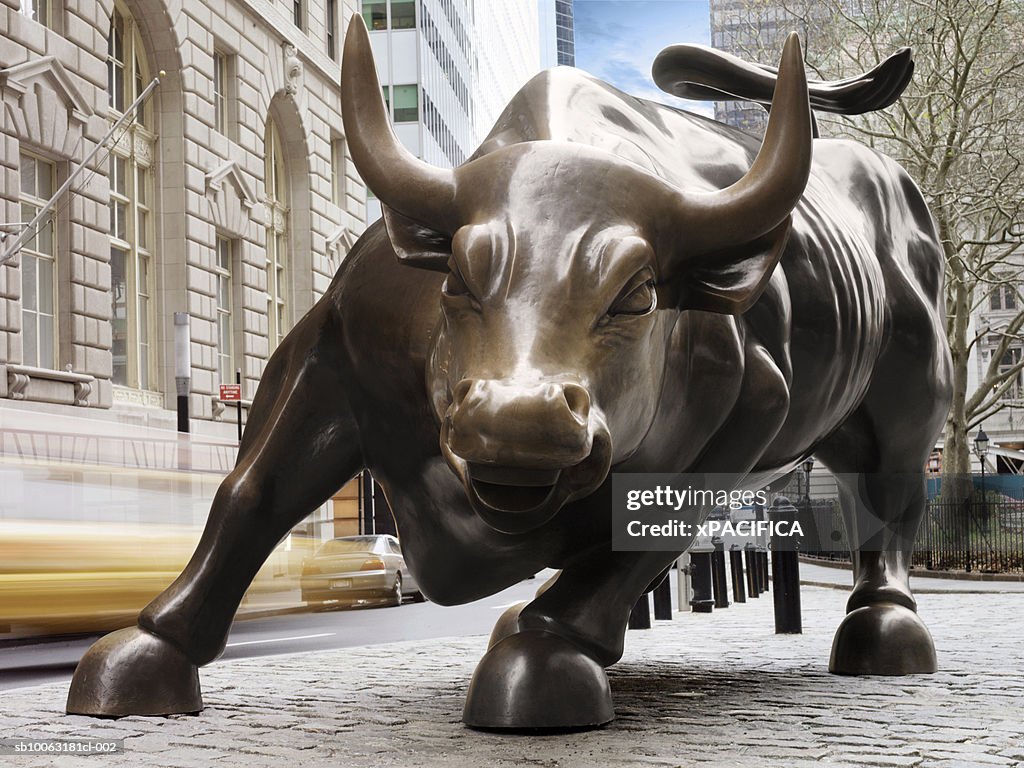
[959, 131]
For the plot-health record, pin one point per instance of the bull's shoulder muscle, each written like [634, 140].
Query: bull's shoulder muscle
[388, 310]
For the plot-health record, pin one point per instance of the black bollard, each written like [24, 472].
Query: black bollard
[785, 573]
[753, 571]
[763, 559]
[718, 582]
[663, 600]
[703, 600]
[640, 616]
[739, 592]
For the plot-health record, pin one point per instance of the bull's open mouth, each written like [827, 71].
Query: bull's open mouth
[513, 490]
[516, 500]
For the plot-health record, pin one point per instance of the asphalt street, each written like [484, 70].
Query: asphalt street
[54, 661]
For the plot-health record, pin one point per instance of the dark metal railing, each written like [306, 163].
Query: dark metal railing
[973, 535]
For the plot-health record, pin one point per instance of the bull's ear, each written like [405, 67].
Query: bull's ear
[416, 244]
[729, 283]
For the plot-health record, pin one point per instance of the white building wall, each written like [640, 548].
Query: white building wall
[548, 34]
[468, 57]
[448, 70]
[439, 57]
[508, 39]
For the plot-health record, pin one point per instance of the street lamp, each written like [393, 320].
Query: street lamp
[808, 465]
[981, 448]
[981, 443]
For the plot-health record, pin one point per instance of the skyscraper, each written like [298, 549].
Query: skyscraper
[447, 68]
[426, 57]
[508, 49]
[566, 36]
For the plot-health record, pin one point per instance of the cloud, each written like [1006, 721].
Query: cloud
[630, 72]
[595, 30]
[617, 42]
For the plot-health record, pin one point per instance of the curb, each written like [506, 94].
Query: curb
[917, 590]
[926, 574]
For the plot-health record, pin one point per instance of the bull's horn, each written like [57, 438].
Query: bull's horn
[767, 194]
[400, 180]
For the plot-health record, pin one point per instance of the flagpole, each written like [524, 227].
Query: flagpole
[30, 227]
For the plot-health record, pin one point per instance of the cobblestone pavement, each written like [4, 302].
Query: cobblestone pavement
[706, 690]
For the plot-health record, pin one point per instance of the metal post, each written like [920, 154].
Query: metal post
[663, 600]
[753, 571]
[683, 581]
[762, 555]
[640, 616]
[981, 443]
[366, 512]
[739, 593]
[238, 381]
[703, 600]
[182, 366]
[785, 574]
[718, 582]
[978, 515]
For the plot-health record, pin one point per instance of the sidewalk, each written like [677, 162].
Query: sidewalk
[842, 578]
[712, 690]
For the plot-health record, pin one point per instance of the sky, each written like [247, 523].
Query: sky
[617, 41]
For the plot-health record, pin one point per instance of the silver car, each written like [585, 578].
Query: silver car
[357, 568]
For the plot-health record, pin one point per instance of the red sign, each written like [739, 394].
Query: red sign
[230, 391]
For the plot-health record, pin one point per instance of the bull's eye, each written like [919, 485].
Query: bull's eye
[636, 300]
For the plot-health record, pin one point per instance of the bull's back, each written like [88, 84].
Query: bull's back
[863, 267]
[566, 104]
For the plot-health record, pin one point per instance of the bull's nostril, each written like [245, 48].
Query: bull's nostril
[461, 390]
[578, 400]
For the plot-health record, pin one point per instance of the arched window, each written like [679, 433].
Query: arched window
[131, 197]
[277, 235]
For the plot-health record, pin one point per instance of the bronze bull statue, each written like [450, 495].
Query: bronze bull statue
[608, 284]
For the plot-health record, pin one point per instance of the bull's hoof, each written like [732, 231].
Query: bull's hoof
[882, 639]
[535, 680]
[134, 672]
[507, 624]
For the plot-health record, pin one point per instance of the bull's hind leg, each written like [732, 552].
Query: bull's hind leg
[878, 460]
[882, 633]
[300, 446]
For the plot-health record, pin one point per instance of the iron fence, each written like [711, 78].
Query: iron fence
[979, 535]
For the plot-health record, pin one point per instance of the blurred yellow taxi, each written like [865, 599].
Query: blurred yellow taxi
[68, 577]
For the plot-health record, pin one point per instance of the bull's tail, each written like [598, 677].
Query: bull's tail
[705, 74]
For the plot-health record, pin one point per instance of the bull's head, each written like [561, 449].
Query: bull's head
[567, 268]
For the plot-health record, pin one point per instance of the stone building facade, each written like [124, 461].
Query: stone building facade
[228, 195]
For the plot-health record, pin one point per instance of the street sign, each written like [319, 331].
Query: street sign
[230, 391]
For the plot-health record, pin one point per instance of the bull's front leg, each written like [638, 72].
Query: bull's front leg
[300, 446]
[544, 669]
